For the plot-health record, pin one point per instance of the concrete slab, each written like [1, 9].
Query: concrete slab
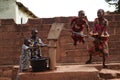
[72, 70]
[66, 72]
[109, 74]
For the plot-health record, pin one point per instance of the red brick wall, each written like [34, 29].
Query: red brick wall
[11, 38]
[71, 54]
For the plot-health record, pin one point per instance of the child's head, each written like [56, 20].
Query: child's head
[81, 14]
[34, 32]
[27, 42]
[100, 13]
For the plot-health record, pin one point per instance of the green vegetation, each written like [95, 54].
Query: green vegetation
[116, 3]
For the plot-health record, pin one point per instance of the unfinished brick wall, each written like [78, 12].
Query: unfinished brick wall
[12, 35]
[80, 54]
[11, 38]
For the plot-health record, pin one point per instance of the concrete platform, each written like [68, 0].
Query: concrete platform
[109, 74]
[69, 71]
[65, 72]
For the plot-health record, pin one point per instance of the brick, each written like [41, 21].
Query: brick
[70, 46]
[33, 26]
[23, 28]
[77, 53]
[45, 27]
[5, 43]
[117, 17]
[7, 21]
[114, 38]
[113, 58]
[74, 59]
[11, 35]
[81, 60]
[43, 34]
[65, 33]
[1, 36]
[63, 19]
[112, 30]
[67, 26]
[67, 60]
[114, 51]
[34, 21]
[18, 28]
[7, 73]
[117, 29]
[9, 28]
[114, 79]
[7, 60]
[114, 23]
[1, 72]
[48, 20]
[4, 78]
[110, 17]
[114, 45]
[65, 39]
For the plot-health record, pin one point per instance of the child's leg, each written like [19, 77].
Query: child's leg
[74, 37]
[105, 54]
[75, 43]
[83, 40]
[104, 60]
[89, 61]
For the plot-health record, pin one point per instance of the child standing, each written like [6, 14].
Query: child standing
[100, 33]
[25, 56]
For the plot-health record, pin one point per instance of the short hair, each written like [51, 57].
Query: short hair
[34, 31]
[81, 11]
[101, 10]
[27, 40]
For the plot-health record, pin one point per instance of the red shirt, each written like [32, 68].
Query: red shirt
[77, 24]
[99, 28]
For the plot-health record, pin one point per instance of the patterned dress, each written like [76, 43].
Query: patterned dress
[100, 34]
[25, 58]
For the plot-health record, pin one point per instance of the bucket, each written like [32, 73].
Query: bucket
[39, 64]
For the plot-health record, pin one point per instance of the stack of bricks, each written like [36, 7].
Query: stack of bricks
[12, 35]
[6, 72]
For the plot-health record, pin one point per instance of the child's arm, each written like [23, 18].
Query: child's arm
[87, 25]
